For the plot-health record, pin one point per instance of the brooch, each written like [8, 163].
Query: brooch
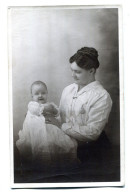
[82, 110]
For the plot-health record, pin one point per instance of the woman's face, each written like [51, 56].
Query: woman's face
[81, 76]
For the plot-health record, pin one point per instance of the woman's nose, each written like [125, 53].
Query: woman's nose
[73, 73]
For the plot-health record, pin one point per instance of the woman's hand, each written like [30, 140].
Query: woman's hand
[66, 126]
[49, 119]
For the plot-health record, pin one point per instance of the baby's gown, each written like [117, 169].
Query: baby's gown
[44, 143]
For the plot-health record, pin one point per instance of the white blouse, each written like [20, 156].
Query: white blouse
[84, 113]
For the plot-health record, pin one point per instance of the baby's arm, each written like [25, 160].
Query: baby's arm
[35, 108]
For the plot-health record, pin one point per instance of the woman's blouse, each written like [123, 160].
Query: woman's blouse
[84, 113]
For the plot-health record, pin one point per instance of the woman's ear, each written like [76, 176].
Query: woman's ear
[92, 71]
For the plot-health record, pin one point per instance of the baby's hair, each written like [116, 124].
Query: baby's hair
[38, 83]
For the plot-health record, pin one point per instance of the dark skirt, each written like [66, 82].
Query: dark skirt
[95, 153]
[100, 160]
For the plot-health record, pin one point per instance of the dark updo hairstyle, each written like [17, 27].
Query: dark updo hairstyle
[86, 58]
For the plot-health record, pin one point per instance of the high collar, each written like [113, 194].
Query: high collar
[87, 87]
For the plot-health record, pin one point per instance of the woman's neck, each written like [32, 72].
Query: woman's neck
[81, 86]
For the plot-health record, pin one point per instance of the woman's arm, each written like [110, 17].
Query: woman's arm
[98, 117]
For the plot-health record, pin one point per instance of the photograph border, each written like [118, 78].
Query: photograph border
[121, 73]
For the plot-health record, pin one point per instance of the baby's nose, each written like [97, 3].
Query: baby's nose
[40, 94]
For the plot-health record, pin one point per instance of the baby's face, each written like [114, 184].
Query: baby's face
[39, 94]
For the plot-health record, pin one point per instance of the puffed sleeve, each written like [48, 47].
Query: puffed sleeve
[35, 109]
[97, 119]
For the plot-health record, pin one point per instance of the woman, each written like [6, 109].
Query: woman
[85, 106]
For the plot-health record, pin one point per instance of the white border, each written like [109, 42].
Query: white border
[85, 184]
[10, 97]
[77, 184]
[121, 88]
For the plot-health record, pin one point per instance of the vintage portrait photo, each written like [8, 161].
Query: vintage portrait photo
[65, 77]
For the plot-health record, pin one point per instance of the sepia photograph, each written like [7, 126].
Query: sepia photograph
[66, 103]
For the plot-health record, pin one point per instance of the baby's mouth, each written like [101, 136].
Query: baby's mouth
[41, 99]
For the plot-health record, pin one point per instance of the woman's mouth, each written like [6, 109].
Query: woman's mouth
[76, 79]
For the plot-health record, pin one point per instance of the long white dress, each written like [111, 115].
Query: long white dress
[44, 142]
[84, 113]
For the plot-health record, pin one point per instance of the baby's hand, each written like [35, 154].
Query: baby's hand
[66, 126]
[50, 108]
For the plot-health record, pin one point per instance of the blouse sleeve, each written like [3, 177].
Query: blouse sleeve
[61, 107]
[98, 117]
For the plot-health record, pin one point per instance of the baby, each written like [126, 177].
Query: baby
[43, 142]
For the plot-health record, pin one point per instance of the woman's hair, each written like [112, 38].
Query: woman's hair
[38, 83]
[86, 58]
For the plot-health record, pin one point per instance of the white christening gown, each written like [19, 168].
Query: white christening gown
[43, 142]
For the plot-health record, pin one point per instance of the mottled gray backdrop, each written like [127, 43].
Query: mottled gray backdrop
[43, 39]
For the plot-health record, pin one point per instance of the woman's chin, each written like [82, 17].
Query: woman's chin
[77, 82]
